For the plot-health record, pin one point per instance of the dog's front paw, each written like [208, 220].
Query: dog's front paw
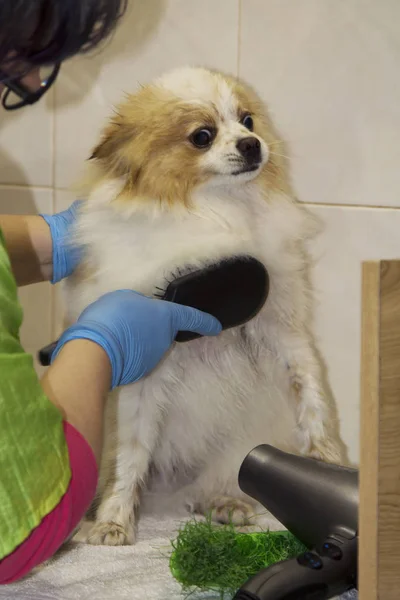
[225, 509]
[111, 534]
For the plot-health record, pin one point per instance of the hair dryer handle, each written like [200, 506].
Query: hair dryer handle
[310, 576]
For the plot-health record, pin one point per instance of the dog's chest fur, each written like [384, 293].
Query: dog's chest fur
[211, 393]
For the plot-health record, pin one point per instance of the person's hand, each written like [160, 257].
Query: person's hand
[135, 331]
[66, 256]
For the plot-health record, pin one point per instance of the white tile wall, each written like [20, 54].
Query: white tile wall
[26, 145]
[329, 71]
[351, 236]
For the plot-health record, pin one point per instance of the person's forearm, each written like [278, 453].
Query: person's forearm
[78, 383]
[29, 245]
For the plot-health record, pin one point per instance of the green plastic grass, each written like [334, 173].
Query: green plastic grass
[211, 558]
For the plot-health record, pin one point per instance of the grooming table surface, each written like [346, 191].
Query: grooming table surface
[83, 572]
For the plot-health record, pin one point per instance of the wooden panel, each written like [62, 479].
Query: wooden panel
[368, 514]
[389, 434]
[379, 554]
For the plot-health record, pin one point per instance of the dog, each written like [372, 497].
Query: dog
[189, 171]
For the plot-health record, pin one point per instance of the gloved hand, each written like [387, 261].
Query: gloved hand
[135, 331]
[66, 256]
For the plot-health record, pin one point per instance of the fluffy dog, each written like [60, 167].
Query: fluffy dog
[188, 172]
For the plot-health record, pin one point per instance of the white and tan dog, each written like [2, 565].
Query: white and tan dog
[188, 173]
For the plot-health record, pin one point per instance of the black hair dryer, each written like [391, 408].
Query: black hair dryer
[318, 503]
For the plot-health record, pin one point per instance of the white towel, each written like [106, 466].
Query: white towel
[140, 572]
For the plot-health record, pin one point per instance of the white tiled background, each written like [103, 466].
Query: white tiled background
[329, 70]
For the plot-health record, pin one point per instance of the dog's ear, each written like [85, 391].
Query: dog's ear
[114, 137]
[110, 150]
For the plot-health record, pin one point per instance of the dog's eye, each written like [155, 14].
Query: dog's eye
[202, 138]
[247, 121]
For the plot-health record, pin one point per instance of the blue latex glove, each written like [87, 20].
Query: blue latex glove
[135, 331]
[66, 256]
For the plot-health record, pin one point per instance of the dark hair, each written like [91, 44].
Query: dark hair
[48, 31]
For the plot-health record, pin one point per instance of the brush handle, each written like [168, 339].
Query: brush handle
[232, 291]
[45, 354]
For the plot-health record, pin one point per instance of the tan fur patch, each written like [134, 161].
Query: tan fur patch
[296, 387]
[147, 142]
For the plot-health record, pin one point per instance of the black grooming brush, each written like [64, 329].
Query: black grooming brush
[233, 291]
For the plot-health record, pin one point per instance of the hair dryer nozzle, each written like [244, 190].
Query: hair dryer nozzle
[310, 498]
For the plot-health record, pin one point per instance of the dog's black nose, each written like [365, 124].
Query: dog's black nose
[250, 149]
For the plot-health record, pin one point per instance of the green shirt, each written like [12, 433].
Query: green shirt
[34, 462]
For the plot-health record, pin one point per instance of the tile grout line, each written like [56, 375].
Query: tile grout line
[47, 188]
[343, 205]
[53, 200]
[239, 38]
[23, 186]
[53, 144]
[52, 288]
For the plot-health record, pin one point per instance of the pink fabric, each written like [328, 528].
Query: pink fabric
[57, 526]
